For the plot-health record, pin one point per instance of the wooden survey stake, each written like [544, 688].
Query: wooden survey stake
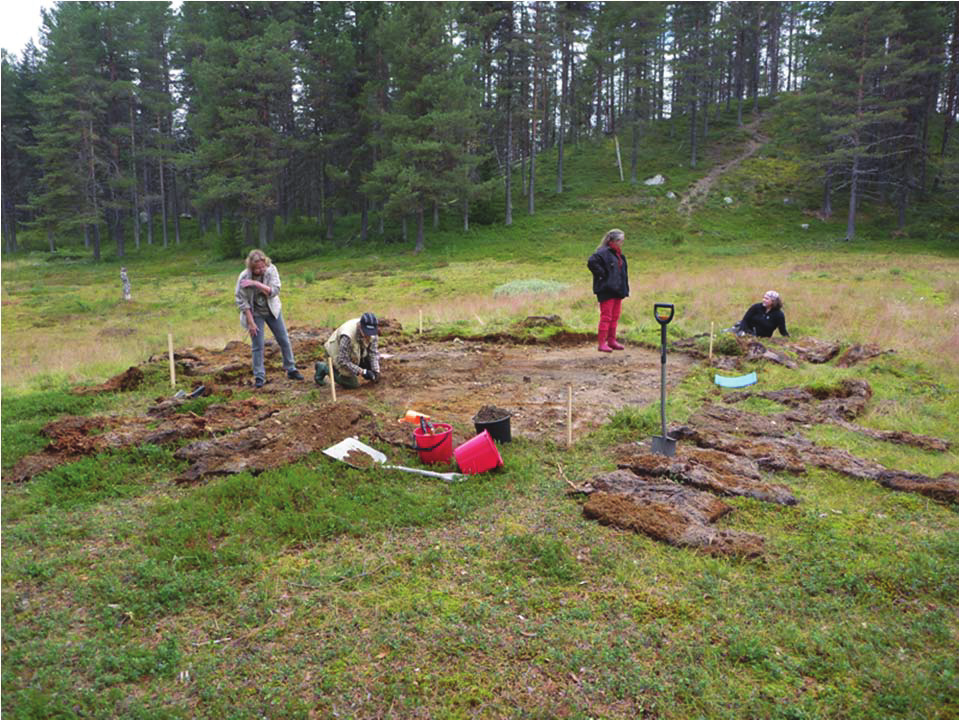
[169, 342]
[329, 362]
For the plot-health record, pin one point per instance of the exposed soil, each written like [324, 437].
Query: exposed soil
[129, 380]
[490, 414]
[452, 381]
[359, 459]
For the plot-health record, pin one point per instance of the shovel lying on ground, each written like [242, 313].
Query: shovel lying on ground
[355, 453]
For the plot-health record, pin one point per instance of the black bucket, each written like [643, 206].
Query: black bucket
[498, 429]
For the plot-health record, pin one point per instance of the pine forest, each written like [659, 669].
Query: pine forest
[133, 116]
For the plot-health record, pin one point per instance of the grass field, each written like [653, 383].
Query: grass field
[314, 591]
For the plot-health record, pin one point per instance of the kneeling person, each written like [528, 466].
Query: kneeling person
[353, 348]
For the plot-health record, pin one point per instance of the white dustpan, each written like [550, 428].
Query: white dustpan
[341, 450]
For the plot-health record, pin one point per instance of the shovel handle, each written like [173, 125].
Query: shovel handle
[431, 474]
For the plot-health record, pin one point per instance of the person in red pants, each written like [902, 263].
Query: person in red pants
[610, 284]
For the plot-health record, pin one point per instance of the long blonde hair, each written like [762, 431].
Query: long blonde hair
[614, 234]
[255, 255]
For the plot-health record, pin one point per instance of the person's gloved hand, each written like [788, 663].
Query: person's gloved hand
[368, 374]
[376, 376]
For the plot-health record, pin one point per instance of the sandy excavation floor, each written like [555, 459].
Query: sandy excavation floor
[452, 380]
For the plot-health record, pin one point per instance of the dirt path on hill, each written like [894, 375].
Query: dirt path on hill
[701, 189]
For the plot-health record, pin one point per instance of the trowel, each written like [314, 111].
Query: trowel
[341, 452]
[663, 445]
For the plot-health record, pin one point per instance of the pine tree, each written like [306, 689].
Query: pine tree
[856, 67]
[241, 73]
[430, 122]
[20, 174]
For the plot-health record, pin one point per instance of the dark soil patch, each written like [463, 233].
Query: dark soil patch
[129, 380]
[283, 438]
[490, 414]
[359, 459]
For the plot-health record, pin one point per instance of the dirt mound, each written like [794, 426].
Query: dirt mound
[813, 350]
[73, 437]
[859, 353]
[283, 438]
[129, 380]
[667, 512]
[731, 350]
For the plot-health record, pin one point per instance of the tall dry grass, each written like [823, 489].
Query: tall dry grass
[906, 303]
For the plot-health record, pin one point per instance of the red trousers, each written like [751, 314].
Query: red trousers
[608, 319]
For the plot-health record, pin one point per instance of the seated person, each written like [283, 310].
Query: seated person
[353, 348]
[763, 318]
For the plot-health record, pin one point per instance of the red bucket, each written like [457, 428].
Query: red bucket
[478, 454]
[435, 447]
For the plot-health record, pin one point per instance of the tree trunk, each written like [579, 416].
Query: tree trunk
[163, 210]
[692, 133]
[952, 84]
[133, 185]
[466, 213]
[147, 203]
[328, 205]
[436, 214]
[508, 221]
[756, 57]
[562, 108]
[774, 21]
[364, 219]
[9, 223]
[118, 233]
[853, 199]
[419, 232]
[826, 210]
[176, 206]
[901, 200]
[264, 238]
[247, 231]
[50, 241]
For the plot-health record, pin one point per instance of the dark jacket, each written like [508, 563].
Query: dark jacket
[610, 280]
[758, 322]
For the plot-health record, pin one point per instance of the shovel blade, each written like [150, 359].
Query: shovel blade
[664, 445]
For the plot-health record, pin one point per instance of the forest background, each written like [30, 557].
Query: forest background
[131, 118]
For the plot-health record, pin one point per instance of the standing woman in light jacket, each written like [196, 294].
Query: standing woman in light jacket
[258, 299]
[611, 285]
